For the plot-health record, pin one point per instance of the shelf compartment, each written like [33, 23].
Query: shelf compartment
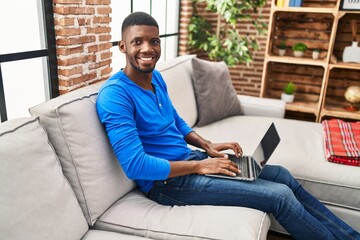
[320, 3]
[344, 35]
[307, 78]
[339, 80]
[313, 29]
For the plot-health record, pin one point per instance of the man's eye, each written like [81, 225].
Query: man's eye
[156, 42]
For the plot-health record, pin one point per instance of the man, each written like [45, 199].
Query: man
[151, 141]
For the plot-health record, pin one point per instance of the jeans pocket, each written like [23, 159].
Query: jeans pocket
[166, 200]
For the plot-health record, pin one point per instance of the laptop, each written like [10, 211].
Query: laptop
[251, 166]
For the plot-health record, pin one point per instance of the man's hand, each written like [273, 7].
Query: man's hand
[214, 149]
[217, 165]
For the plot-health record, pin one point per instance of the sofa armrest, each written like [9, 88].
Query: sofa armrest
[257, 106]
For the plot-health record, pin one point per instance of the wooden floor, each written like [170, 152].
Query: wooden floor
[277, 236]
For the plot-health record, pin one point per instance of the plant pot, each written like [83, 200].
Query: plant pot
[315, 54]
[282, 52]
[288, 98]
[298, 53]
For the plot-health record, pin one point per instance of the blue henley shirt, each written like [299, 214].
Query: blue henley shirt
[144, 128]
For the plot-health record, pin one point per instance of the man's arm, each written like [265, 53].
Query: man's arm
[213, 149]
[219, 164]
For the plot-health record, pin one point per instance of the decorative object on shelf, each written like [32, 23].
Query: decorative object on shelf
[299, 49]
[288, 94]
[350, 5]
[280, 3]
[352, 95]
[282, 48]
[333, 59]
[352, 53]
[316, 53]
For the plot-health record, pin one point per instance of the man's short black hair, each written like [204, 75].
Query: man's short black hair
[138, 18]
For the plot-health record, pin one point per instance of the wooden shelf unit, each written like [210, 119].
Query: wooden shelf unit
[321, 83]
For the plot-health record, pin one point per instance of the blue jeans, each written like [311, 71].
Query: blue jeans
[275, 192]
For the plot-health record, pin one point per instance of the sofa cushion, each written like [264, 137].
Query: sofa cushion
[84, 150]
[106, 235]
[215, 95]
[136, 214]
[36, 201]
[301, 150]
[177, 74]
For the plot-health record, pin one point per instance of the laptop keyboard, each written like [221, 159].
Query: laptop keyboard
[242, 163]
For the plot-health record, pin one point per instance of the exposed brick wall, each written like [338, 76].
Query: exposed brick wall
[246, 79]
[83, 42]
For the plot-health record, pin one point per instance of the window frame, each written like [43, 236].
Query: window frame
[49, 52]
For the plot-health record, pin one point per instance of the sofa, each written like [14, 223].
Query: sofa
[59, 178]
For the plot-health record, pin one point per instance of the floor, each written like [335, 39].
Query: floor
[278, 236]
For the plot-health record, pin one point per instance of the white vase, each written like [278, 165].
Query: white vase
[288, 98]
[282, 52]
[315, 54]
[298, 53]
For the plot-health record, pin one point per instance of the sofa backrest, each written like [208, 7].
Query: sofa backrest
[36, 200]
[178, 73]
[83, 147]
[84, 150]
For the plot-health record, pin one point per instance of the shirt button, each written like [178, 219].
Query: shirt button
[160, 105]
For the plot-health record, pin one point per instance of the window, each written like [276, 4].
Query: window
[27, 46]
[166, 13]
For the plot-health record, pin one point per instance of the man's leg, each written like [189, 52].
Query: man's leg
[339, 228]
[263, 195]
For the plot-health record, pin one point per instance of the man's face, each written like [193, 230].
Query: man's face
[141, 44]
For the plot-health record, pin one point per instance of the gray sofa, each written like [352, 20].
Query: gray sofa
[59, 178]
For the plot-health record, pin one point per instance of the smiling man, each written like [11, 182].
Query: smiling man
[150, 140]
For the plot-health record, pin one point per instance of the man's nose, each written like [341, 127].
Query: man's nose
[146, 46]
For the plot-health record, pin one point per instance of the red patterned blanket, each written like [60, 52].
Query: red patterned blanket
[342, 141]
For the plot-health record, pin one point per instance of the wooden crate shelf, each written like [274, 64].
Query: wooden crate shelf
[313, 29]
[339, 80]
[321, 83]
[343, 34]
[295, 60]
[307, 78]
[304, 107]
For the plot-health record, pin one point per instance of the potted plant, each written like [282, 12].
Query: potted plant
[222, 40]
[299, 49]
[288, 94]
[316, 53]
[282, 48]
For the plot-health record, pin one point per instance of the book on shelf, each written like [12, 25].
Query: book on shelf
[298, 3]
[295, 3]
[280, 3]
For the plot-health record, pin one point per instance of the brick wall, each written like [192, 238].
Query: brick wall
[83, 42]
[246, 79]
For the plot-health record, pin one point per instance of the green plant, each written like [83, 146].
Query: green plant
[300, 47]
[282, 45]
[224, 42]
[316, 50]
[290, 88]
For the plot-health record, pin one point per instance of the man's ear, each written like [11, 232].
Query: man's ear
[122, 46]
